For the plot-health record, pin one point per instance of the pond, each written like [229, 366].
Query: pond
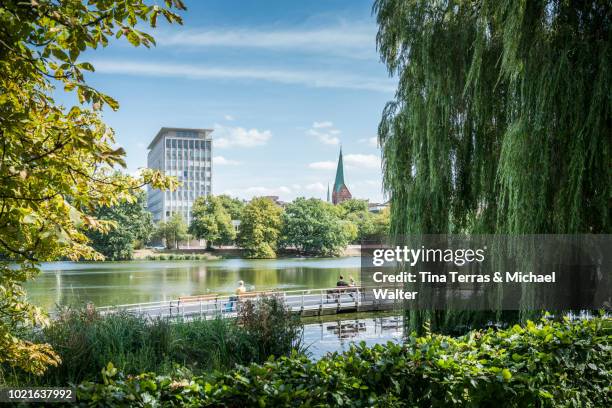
[112, 283]
[337, 335]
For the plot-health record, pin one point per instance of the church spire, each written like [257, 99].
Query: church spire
[339, 182]
[340, 192]
[328, 198]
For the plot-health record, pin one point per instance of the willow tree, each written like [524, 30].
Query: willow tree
[501, 119]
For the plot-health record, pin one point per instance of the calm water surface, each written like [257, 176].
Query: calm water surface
[326, 337]
[108, 283]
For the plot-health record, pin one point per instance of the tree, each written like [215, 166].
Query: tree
[356, 211]
[233, 206]
[260, 228]
[315, 227]
[211, 221]
[56, 163]
[132, 224]
[381, 224]
[354, 205]
[501, 119]
[172, 231]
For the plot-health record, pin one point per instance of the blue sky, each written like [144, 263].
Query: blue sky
[283, 84]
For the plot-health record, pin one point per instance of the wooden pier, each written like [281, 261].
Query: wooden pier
[310, 302]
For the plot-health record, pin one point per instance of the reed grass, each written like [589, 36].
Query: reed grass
[86, 341]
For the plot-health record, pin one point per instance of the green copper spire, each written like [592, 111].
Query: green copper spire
[339, 174]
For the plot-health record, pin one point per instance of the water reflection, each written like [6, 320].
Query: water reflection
[326, 337]
[108, 283]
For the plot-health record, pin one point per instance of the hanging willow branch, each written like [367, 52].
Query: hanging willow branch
[501, 119]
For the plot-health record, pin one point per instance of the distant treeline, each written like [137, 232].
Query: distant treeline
[260, 227]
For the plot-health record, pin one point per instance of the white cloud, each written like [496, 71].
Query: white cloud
[324, 124]
[228, 117]
[222, 161]
[357, 40]
[370, 141]
[318, 186]
[325, 138]
[325, 132]
[315, 79]
[260, 191]
[362, 187]
[323, 165]
[369, 161]
[226, 136]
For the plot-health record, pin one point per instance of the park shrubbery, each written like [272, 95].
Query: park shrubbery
[87, 341]
[544, 364]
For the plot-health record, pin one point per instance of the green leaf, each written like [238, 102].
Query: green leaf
[545, 394]
[133, 38]
[86, 66]
[59, 54]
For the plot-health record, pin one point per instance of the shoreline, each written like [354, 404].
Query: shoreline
[230, 252]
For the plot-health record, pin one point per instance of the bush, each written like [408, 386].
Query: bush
[273, 329]
[87, 341]
[546, 364]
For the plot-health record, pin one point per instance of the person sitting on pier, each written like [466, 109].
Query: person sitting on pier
[336, 293]
[341, 282]
[240, 290]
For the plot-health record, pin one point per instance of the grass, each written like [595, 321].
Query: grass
[87, 341]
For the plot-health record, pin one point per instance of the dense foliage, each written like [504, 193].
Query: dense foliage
[56, 163]
[133, 226]
[271, 327]
[315, 227]
[501, 118]
[87, 342]
[260, 228]
[232, 205]
[546, 364]
[500, 123]
[310, 226]
[370, 226]
[212, 221]
[173, 231]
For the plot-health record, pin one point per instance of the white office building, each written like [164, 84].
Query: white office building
[187, 155]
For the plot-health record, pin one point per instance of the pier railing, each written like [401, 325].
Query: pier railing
[305, 301]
